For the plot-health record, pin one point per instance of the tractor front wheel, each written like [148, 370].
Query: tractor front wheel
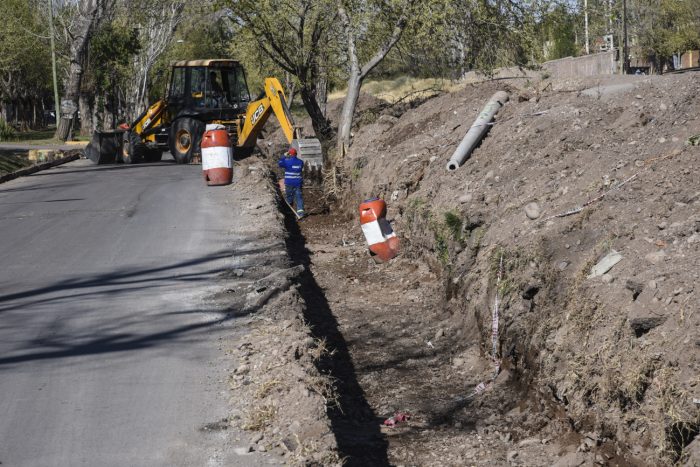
[132, 148]
[185, 139]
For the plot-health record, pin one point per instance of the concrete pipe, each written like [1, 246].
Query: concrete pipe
[477, 130]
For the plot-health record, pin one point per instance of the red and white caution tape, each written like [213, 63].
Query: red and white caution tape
[495, 314]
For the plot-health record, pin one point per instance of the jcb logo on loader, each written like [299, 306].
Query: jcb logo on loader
[256, 115]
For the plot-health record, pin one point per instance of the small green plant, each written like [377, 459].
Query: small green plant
[454, 225]
[416, 204]
[443, 252]
[6, 131]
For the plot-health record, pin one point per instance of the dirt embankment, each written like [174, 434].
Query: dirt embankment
[593, 370]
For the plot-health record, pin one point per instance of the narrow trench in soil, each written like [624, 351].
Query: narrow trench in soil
[355, 424]
[393, 350]
[398, 346]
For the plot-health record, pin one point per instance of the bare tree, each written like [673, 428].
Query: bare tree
[292, 34]
[355, 30]
[158, 22]
[77, 28]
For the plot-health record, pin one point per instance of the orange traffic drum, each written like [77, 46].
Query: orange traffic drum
[383, 242]
[217, 156]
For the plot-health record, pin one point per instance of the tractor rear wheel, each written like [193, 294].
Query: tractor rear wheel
[185, 139]
[132, 148]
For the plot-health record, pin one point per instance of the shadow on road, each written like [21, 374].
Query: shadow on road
[63, 341]
[108, 343]
[119, 278]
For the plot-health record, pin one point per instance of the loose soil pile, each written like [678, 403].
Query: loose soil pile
[278, 393]
[597, 370]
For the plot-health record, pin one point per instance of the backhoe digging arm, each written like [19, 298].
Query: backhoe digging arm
[257, 113]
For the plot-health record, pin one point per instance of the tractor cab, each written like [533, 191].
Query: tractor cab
[208, 89]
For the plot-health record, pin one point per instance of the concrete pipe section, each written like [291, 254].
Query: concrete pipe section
[477, 131]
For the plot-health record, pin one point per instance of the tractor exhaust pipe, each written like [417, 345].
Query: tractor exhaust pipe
[477, 130]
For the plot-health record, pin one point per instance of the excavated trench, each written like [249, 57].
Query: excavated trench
[399, 346]
[353, 421]
[406, 337]
[402, 343]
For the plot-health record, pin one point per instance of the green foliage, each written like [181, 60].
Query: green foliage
[450, 228]
[454, 225]
[202, 35]
[257, 64]
[6, 131]
[447, 38]
[665, 27]
[558, 32]
[24, 55]
[298, 38]
[441, 248]
[111, 51]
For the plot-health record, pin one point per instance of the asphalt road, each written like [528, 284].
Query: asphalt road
[110, 351]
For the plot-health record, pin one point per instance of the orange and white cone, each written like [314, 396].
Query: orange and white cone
[217, 156]
[383, 242]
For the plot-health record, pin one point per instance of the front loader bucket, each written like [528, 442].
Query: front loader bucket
[309, 150]
[105, 147]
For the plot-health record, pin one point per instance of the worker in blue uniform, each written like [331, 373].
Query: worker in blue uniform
[293, 181]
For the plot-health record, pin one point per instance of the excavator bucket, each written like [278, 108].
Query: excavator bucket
[309, 150]
[105, 147]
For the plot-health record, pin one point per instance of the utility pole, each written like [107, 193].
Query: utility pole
[585, 19]
[57, 107]
[625, 48]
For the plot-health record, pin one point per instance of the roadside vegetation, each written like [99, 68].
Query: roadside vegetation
[112, 56]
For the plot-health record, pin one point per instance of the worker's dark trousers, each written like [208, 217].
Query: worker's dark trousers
[293, 194]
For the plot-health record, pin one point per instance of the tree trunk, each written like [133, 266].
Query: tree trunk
[322, 94]
[86, 123]
[63, 130]
[109, 109]
[89, 15]
[289, 87]
[322, 126]
[358, 73]
[346, 115]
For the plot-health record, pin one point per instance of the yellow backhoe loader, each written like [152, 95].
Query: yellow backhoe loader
[202, 92]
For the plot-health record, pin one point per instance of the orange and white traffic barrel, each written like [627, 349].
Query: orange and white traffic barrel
[217, 156]
[383, 242]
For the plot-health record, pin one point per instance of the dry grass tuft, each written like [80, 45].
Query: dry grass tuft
[260, 417]
[265, 388]
[320, 350]
[307, 453]
[397, 89]
[325, 387]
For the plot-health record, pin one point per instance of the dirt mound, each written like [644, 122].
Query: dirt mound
[615, 358]
[279, 392]
[592, 369]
